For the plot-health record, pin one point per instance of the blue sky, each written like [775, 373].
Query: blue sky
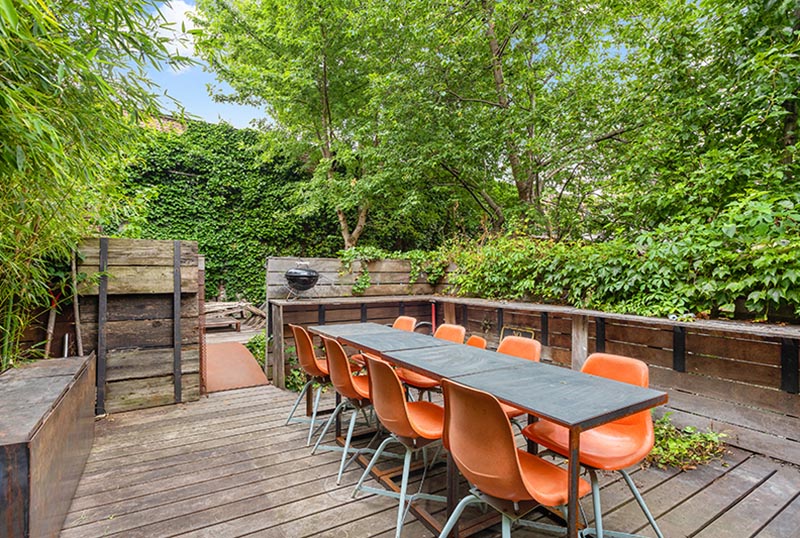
[190, 86]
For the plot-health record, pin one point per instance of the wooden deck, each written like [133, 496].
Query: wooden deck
[227, 466]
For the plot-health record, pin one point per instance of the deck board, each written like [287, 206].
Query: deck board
[228, 466]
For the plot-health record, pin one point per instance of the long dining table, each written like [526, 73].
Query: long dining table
[567, 397]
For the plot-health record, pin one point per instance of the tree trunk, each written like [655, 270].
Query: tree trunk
[351, 238]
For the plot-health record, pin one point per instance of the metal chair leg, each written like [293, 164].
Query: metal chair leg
[401, 509]
[641, 502]
[506, 529]
[328, 424]
[451, 522]
[297, 401]
[372, 463]
[314, 415]
[347, 445]
[598, 511]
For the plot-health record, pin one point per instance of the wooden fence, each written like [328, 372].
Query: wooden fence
[741, 378]
[139, 310]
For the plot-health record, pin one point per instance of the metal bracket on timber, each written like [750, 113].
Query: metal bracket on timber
[790, 366]
[679, 348]
[176, 319]
[600, 334]
[102, 327]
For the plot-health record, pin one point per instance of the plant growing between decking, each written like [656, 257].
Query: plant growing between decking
[685, 448]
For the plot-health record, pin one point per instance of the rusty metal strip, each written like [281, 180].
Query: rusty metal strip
[102, 328]
[176, 320]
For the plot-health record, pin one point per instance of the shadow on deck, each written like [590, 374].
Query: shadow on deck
[227, 466]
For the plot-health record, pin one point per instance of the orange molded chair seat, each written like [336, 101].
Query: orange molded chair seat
[315, 368]
[403, 323]
[610, 447]
[481, 442]
[477, 341]
[413, 424]
[416, 380]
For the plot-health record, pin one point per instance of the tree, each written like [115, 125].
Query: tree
[71, 84]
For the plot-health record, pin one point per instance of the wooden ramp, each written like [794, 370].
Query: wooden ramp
[230, 365]
[227, 466]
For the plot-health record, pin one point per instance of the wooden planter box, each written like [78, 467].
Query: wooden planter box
[46, 433]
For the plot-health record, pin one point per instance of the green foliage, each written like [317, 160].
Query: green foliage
[295, 378]
[72, 85]
[684, 448]
[257, 345]
[745, 255]
[433, 264]
[211, 184]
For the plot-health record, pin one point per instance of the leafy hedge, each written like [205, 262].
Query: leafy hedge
[747, 255]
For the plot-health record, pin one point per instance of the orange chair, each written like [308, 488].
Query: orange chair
[610, 447]
[315, 368]
[354, 390]
[415, 425]
[524, 348]
[477, 341]
[445, 331]
[481, 443]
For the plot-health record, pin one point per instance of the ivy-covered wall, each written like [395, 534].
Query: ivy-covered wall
[210, 183]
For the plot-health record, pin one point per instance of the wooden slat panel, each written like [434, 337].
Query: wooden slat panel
[144, 252]
[152, 362]
[152, 391]
[765, 398]
[141, 333]
[138, 306]
[756, 374]
[129, 279]
[748, 350]
[636, 334]
[649, 355]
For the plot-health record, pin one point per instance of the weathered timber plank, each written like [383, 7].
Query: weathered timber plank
[704, 506]
[785, 523]
[138, 307]
[147, 252]
[766, 398]
[149, 362]
[730, 347]
[758, 508]
[153, 391]
[142, 333]
[134, 279]
[756, 374]
[150, 515]
[625, 515]
[657, 337]
[755, 441]
[650, 355]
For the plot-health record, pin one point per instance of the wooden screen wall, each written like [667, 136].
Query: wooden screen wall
[144, 359]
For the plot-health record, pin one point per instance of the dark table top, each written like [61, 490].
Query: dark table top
[564, 396]
[345, 329]
[451, 361]
[380, 342]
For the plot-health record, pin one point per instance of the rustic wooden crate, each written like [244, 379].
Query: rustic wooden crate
[46, 433]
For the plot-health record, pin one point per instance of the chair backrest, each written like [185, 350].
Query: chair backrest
[519, 346]
[451, 332]
[477, 341]
[305, 352]
[624, 370]
[388, 397]
[339, 369]
[480, 439]
[405, 323]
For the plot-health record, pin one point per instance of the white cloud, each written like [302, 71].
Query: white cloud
[176, 15]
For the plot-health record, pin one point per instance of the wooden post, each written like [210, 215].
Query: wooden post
[449, 312]
[277, 347]
[580, 340]
[176, 321]
[102, 313]
[269, 318]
